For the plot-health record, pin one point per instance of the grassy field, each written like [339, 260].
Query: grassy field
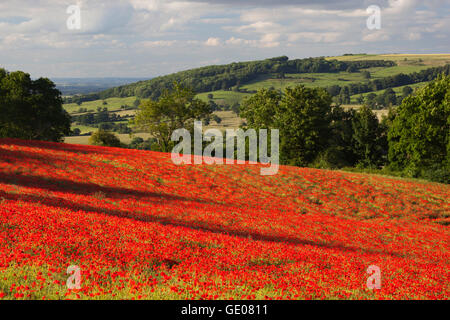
[414, 64]
[401, 59]
[379, 113]
[229, 121]
[221, 96]
[125, 138]
[397, 90]
[113, 104]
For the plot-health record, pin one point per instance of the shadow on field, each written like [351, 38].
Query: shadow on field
[175, 222]
[85, 149]
[86, 189]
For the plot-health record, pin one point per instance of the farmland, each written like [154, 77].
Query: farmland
[405, 63]
[140, 227]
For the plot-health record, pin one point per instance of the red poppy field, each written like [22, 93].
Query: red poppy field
[140, 227]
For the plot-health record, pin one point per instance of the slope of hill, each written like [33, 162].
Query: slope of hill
[141, 227]
[278, 72]
[73, 86]
[225, 77]
[228, 85]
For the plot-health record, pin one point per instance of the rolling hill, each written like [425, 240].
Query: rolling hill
[227, 85]
[139, 227]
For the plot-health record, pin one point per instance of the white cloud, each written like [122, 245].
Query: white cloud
[376, 36]
[414, 36]
[269, 40]
[144, 33]
[314, 36]
[213, 42]
[157, 43]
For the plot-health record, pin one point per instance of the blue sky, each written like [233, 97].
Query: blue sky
[146, 38]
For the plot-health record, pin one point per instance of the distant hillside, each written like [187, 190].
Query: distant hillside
[225, 77]
[74, 86]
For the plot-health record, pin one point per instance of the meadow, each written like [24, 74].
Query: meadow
[113, 104]
[399, 58]
[140, 227]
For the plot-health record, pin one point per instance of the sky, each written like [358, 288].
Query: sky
[147, 38]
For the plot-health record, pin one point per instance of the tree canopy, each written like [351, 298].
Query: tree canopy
[175, 109]
[31, 109]
[419, 137]
[303, 116]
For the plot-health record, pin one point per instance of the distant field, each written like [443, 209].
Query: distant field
[379, 113]
[397, 90]
[229, 121]
[330, 79]
[125, 138]
[401, 59]
[407, 63]
[112, 104]
[222, 96]
[84, 129]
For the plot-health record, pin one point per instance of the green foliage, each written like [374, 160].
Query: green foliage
[217, 119]
[303, 116]
[75, 132]
[141, 144]
[419, 138]
[31, 109]
[105, 139]
[369, 138]
[340, 151]
[366, 74]
[406, 91]
[357, 139]
[175, 109]
[260, 109]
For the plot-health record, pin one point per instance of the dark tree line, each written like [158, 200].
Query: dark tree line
[103, 115]
[413, 140]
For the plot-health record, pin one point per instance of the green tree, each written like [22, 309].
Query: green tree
[105, 139]
[176, 109]
[406, 91]
[261, 108]
[31, 109]
[217, 119]
[340, 151]
[235, 107]
[369, 138]
[370, 100]
[75, 132]
[366, 74]
[360, 99]
[419, 137]
[303, 116]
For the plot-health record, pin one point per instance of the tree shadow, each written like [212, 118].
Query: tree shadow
[84, 188]
[201, 226]
[65, 147]
[87, 189]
